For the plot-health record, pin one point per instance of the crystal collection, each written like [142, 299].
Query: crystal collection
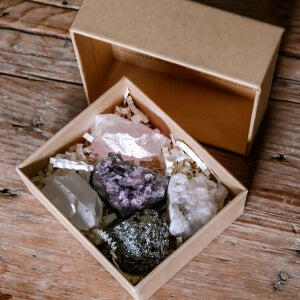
[111, 189]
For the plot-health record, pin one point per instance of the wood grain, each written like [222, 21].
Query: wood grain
[71, 4]
[36, 18]
[41, 91]
[37, 57]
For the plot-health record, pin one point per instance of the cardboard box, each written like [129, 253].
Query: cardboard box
[73, 132]
[210, 70]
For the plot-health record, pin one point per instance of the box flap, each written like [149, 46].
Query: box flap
[186, 33]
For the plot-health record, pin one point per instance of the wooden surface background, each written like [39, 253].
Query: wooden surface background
[41, 91]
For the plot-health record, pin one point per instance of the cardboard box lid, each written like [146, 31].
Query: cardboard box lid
[186, 33]
[208, 69]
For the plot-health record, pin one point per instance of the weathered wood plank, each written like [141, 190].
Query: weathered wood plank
[31, 112]
[73, 4]
[33, 56]
[291, 37]
[286, 90]
[36, 18]
[288, 68]
[247, 256]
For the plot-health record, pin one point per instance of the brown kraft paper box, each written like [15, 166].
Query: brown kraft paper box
[210, 70]
[73, 132]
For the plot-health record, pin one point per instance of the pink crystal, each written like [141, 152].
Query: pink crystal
[113, 133]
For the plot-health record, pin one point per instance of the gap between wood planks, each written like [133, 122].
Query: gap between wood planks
[40, 78]
[70, 4]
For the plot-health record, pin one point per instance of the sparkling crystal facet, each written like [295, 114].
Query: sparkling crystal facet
[113, 133]
[193, 202]
[126, 187]
[142, 242]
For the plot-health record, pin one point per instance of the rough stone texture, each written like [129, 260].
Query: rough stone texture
[75, 199]
[113, 133]
[193, 202]
[127, 188]
[142, 242]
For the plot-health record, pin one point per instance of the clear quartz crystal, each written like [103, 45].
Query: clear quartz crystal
[75, 199]
[193, 202]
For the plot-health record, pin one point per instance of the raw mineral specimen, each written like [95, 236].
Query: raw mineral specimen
[126, 187]
[142, 242]
[193, 202]
[75, 199]
[113, 133]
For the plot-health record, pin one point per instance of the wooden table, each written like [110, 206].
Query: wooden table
[41, 90]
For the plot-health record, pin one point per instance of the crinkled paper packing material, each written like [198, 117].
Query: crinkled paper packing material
[210, 70]
[74, 131]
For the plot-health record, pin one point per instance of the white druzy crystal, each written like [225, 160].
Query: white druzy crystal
[113, 133]
[75, 199]
[193, 202]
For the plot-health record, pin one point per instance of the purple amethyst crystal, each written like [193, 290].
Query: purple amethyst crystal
[126, 187]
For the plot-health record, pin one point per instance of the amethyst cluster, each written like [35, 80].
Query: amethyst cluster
[126, 187]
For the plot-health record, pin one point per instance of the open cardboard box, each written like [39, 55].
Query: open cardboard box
[73, 133]
[210, 70]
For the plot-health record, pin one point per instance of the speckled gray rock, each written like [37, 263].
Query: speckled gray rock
[142, 242]
[126, 187]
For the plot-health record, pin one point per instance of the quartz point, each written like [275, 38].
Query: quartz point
[113, 133]
[126, 187]
[142, 242]
[75, 199]
[193, 202]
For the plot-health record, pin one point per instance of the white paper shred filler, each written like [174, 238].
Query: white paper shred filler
[70, 164]
[194, 156]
